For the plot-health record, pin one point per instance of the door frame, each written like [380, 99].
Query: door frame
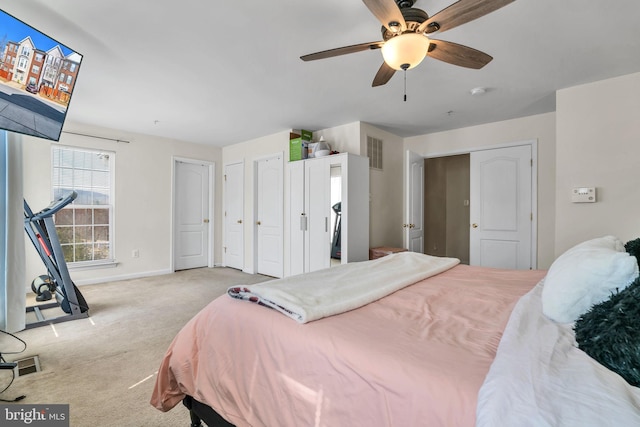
[254, 213]
[211, 228]
[534, 182]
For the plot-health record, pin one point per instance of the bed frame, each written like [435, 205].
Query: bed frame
[200, 412]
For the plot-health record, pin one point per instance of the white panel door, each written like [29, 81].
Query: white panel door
[501, 208]
[233, 215]
[270, 212]
[414, 226]
[318, 210]
[192, 215]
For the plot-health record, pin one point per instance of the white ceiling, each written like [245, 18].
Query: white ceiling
[222, 72]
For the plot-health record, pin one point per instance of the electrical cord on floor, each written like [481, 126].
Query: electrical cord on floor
[4, 365]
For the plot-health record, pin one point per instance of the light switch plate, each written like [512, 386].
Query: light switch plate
[583, 195]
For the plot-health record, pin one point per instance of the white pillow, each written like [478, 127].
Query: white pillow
[585, 275]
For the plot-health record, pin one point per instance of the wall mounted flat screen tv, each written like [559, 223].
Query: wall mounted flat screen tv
[37, 79]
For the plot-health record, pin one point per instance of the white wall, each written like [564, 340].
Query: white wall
[386, 188]
[539, 127]
[143, 197]
[598, 145]
[345, 138]
[592, 140]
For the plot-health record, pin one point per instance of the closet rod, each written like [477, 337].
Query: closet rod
[97, 137]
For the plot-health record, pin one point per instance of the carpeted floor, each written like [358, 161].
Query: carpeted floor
[104, 366]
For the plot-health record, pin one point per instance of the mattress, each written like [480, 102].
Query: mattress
[416, 357]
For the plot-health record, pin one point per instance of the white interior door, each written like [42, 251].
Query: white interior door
[414, 225]
[192, 215]
[501, 208]
[233, 215]
[270, 212]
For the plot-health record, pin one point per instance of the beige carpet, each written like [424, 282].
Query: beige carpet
[104, 366]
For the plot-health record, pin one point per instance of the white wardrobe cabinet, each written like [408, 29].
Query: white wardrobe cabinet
[315, 187]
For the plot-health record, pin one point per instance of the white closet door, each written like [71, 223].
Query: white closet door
[233, 215]
[317, 207]
[501, 208]
[270, 217]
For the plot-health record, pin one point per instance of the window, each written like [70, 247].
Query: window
[23, 63]
[85, 227]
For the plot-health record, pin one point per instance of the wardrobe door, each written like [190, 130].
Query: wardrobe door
[317, 208]
[297, 218]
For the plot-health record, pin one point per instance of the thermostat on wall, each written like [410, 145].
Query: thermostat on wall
[583, 195]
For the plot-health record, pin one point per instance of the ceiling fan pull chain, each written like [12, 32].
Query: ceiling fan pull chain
[405, 85]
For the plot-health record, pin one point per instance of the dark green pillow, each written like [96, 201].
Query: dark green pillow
[610, 333]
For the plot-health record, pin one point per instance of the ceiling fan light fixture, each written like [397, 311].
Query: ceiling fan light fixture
[405, 51]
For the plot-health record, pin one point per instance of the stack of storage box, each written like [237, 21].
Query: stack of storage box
[298, 144]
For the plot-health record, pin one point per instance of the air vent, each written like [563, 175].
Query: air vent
[27, 366]
[374, 152]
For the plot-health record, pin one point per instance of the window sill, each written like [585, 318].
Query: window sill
[92, 265]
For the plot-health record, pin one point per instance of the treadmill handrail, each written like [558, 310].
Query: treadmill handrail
[55, 206]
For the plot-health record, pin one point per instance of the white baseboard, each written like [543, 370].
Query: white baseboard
[122, 277]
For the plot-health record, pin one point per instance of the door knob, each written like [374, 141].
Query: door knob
[474, 225]
[206, 220]
[239, 221]
[257, 222]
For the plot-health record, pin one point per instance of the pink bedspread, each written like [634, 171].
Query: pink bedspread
[416, 357]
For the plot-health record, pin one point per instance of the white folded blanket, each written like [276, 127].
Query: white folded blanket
[345, 287]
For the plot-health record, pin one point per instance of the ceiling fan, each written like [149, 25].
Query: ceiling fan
[404, 35]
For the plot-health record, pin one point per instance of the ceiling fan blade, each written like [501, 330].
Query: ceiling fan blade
[459, 13]
[387, 12]
[342, 51]
[383, 75]
[457, 54]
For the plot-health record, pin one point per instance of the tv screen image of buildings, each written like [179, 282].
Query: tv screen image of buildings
[37, 79]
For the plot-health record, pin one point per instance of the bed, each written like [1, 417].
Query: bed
[429, 352]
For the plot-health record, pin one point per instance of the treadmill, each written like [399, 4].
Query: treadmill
[41, 229]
